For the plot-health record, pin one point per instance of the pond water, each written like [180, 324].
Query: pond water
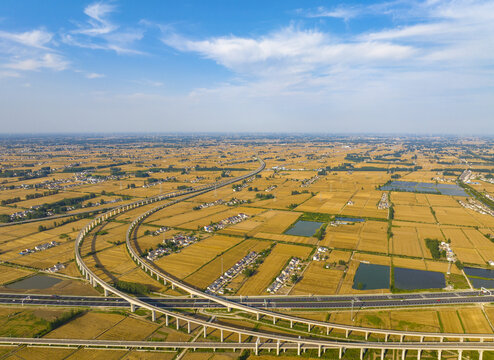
[370, 276]
[34, 282]
[483, 273]
[478, 283]
[339, 218]
[304, 228]
[412, 186]
[411, 279]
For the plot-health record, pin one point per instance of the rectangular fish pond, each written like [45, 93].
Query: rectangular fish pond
[412, 186]
[34, 282]
[370, 277]
[479, 277]
[304, 228]
[411, 279]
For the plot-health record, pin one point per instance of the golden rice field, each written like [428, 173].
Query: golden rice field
[271, 267]
[196, 255]
[406, 242]
[318, 280]
[212, 270]
[414, 213]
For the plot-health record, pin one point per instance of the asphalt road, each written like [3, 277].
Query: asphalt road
[314, 302]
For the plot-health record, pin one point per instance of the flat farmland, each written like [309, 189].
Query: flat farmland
[129, 329]
[273, 264]
[337, 255]
[450, 321]
[328, 203]
[365, 205]
[318, 280]
[208, 273]
[474, 321]
[481, 243]
[343, 236]
[442, 200]
[9, 274]
[455, 216]
[414, 213]
[216, 217]
[409, 263]
[276, 221]
[406, 242]
[196, 255]
[88, 326]
[373, 237]
[287, 238]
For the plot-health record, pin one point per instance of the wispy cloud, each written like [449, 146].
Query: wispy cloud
[99, 32]
[35, 38]
[340, 12]
[46, 61]
[94, 76]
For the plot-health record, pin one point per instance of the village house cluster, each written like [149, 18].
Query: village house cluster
[320, 254]
[450, 255]
[209, 204]
[178, 241]
[218, 286]
[160, 230]
[283, 278]
[40, 247]
[308, 182]
[242, 186]
[161, 181]
[476, 206]
[271, 188]
[55, 268]
[225, 222]
[384, 202]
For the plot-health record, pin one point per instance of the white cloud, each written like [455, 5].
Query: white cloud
[100, 33]
[94, 76]
[345, 13]
[9, 74]
[46, 61]
[35, 38]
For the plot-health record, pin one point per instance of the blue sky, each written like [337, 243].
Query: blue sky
[277, 66]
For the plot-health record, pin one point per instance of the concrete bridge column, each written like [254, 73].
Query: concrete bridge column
[257, 348]
[419, 354]
[257, 316]
[308, 327]
[439, 352]
[481, 339]
[346, 333]
[460, 353]
[383, 352]
[132, 307]
[173, 286]
[441, 339]
[239, 337]
[386, 337]
[319, 351]
[461, 339]
[403, 354]
[166, 320]
[366, 335]
[274, 320]
[327, 330]
[481, 354]
[298, 349]
[421, 339]
[402, 337]
[221, 335]
[362, 353]
[153, 315]
[178, 324]
[341, 351]
[278, 347]
[106, 292]
[188, 327]
[291, 324]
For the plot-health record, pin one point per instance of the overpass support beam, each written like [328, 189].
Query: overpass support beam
[221, 335]
[386, 337]
[319, 350]
[383, 353]
[346, 333]
[327, 330]
[257, 348]
[173, 286]
[460, 353]
[481, 354]
[366, 335]
[239, 337]
[106, 292]
[153, 315]
[166, 320]
[291, 324]
[421, 339]
[188, 327]
[439, 352]
[178, 323]
[308, 327]
[402, 337]
[298, 349]
[274, 320]
[278, 347]
[362, 353]
[419, 354]
[257, 316]
[205, 330]
[341, 351]
[132, 307]
[403, 354]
